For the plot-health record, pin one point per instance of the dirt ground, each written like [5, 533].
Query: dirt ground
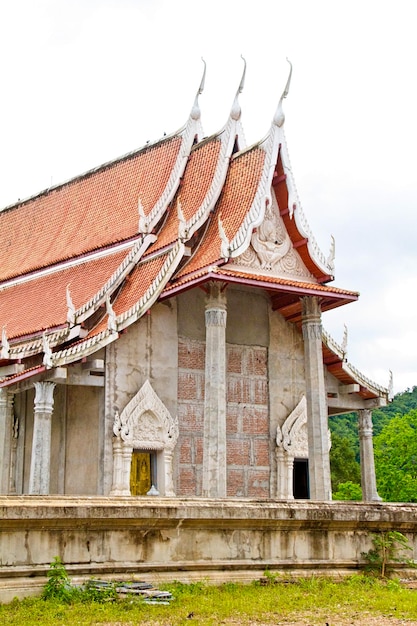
[335, 620]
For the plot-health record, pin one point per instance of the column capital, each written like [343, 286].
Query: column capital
[6, 397]
[216, 295]
[311, 318]
[44, 397]
[365, 422]
[311, 309]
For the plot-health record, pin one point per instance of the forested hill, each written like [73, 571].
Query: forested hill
[395, 451]
[346, 425]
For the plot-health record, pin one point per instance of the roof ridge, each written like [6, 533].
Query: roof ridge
[90, 172]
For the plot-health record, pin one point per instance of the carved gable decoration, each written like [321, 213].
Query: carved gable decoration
[145, 423]
[271, 251]
[293, 436]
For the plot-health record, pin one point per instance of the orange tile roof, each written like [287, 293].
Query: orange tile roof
[193, 189]
[221, 272]
[138, 283]
[94, 210]
[40, 303]
[133, 288]
[232, 207]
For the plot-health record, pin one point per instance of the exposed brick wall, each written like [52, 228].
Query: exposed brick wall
[191, 364]
[248, 440]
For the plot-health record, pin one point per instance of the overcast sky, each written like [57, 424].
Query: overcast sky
[85, 81]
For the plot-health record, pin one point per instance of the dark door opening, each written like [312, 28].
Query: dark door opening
[301, 487]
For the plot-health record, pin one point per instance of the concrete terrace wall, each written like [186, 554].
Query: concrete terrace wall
[186, 539]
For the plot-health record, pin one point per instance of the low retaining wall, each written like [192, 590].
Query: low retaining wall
[186, 539]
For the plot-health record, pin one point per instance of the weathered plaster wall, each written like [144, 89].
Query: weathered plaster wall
[82, 443]
[167, 539]
[75, 450]
[286, 378]
[148, 350]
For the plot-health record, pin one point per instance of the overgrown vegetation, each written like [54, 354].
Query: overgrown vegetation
[59, 587]
[312, 601]
[395, 443]
[390, 548]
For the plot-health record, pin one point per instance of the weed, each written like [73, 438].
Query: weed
[388, 548]
[58, 586]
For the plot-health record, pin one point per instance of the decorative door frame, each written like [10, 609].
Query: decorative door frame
[144, 424]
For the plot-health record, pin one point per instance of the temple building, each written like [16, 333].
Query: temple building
[161, 329]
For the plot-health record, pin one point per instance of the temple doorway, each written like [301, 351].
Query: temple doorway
[142, 472]
[301, 488]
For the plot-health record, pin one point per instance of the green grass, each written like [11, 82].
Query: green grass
[312, 601]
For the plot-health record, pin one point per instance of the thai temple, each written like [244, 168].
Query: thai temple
[161, 329]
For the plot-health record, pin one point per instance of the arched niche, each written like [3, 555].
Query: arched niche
[144, 424]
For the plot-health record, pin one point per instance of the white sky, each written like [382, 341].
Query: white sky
[84, 81]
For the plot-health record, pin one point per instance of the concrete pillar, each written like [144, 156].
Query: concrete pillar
[122, 461]
[6, 430]
[40, 465]
[168, 479]
[285, 474]
[368, 478]
[214, 447]
[317, 419]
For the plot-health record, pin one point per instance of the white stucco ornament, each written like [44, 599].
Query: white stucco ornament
[293, 434]
[145, 423]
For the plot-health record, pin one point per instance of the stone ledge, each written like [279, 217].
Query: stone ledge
[187, 539]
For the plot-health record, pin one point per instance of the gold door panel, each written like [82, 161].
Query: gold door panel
[140, 473]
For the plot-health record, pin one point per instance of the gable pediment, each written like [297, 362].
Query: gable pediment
[271, 252]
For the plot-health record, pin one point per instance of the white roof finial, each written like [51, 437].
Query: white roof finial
[195, 111]
[111, 322]
[182, 224]
[279, 116]
[391, 386]
[143, 225]
[5, 347]
[225, 247]
[47, 356]
[332, 252]
[236, 110]
[70, 307]
[345, 340]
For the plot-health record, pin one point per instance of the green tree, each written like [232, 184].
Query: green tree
[396, 459]
[348, 491]
[343, 465]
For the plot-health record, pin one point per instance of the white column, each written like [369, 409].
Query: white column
[168, 475]
[289, 462]
[13, 456]
[40, 465]
[285, 474]
[214, 447]
[122, 460]
[6, 429]
[368, 478]
[317, 419]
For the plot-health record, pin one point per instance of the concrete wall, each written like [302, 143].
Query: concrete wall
[75, 448]
[175, 539]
